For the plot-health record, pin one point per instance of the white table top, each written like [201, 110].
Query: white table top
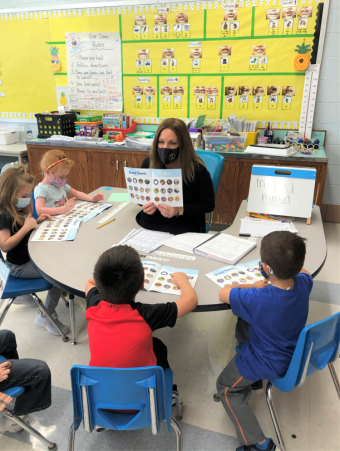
[69, 264]
[13, 150]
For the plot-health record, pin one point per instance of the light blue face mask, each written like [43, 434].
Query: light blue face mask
[23, 202]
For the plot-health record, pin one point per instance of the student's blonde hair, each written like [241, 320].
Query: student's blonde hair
[10, 182]
[52, 156]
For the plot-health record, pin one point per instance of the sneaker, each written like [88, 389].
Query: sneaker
[257, 385]
[45, 322]
[8, 425]
[26, 299]
[270, 447]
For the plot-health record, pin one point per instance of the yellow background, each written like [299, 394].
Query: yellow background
[215, 17]
[129, 98]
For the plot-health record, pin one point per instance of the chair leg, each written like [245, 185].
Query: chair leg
[71, 438]
[5, 310]
[179, 436]
[175, 395]
[51, 446]
[72, 318]
[41, 305]
[65, 300]
[274, 416]
[334, 377]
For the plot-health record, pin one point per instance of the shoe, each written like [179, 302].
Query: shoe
[257, 385]
[26, 299]
[270, 447]
[8, 425]
[45, 322]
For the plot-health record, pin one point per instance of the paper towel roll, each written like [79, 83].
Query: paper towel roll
[61, 109]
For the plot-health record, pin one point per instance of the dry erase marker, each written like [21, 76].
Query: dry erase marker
[245, 234]
[108, 222]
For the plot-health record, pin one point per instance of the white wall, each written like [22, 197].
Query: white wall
[327, 112]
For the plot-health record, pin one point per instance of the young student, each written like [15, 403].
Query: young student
[50, 194]
[16, 225]
[120, 329]
[32, 374]
[272, 318]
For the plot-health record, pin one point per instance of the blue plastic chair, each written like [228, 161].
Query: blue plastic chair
[34, 213]
[100, 393]
[318, 346]
[18, 287]
[15, 392]
[214, 163]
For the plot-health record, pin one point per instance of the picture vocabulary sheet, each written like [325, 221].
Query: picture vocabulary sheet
[236, 275]
[84, 211]
[57, 230]
[155, 185]
[158, 278]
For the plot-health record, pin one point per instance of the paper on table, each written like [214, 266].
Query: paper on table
[144, 240]
[186, 241]
[119, 197]
[261, 227]
[236, 275]
[84, 211]
[57, 230]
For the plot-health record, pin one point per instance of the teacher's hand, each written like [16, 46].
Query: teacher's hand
[149, 208]
[168, 212]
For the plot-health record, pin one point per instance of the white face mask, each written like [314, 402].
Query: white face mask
[23, 202]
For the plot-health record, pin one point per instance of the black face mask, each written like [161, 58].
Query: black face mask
[167, 156]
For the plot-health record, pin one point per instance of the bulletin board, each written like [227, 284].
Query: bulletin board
[178, 59]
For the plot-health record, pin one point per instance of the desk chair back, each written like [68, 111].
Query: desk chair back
[34, 213]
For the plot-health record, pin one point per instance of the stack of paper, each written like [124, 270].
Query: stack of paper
[261, 227]
[145, 240]
[187, 241]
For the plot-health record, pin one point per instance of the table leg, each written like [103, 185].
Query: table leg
[72, 318]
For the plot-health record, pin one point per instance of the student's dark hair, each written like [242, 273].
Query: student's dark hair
[284, 252]
[119, 274]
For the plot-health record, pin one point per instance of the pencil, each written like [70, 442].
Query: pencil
[108, 222]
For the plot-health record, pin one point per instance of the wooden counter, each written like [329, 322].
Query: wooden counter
[97, 166]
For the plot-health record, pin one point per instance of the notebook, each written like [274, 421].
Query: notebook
[186, 241]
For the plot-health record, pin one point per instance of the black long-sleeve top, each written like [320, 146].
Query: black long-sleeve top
[199, 199]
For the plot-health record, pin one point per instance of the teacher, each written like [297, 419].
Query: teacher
[172, 149]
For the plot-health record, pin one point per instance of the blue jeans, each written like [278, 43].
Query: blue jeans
[32, 374]
[28, 271]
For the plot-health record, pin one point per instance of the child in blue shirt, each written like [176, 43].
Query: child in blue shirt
[271, 318]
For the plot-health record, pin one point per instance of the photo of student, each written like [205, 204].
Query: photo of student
[288, 90]
[182, 18]
[195, 53]
[273, 14]
[137, 90]
[168, 53]
[244, 90]
[166, 90]
[289, 12]
[140, 20]
[230, 14]
[179, 90]
[305, 11]
[259, 90]
[161, 19]
[230, 91]
[149, 91]
[224, 50]
[259, 50]
[143, 54]
[273, 90]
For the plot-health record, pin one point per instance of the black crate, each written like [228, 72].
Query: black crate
[55, 124]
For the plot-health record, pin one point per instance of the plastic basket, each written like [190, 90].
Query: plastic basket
[55, 124]
[219, 142]
[124, 131]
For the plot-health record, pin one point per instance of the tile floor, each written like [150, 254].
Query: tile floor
[199, 347]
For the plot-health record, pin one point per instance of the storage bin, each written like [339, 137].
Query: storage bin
[8, 136]
[251, 137]
[89, 129]
[55, 124]
[124, 131]
[89, 117]
[219, 142]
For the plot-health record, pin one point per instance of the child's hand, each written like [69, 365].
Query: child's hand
[69, 204]
[179, 278]
[43, 218]
[5, 370]
[30, 223]
[97, 197]
[261, 283]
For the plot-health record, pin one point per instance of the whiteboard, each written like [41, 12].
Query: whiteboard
[281, 190]
[94, 73]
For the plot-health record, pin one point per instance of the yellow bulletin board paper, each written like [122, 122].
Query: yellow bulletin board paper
[225, 59]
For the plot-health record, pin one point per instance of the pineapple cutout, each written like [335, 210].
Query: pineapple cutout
[55, 61]
[301, 61]
[63, 99]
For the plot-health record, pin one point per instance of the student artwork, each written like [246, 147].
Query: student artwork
[4, 273]
[84, 211]
[55, 61]
[243, 273]
[158, 277]
[57, 230]
[74, 44]
[155, 185]
[301, 60]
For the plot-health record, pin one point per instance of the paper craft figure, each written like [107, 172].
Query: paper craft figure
[55, 61]
[73, 42]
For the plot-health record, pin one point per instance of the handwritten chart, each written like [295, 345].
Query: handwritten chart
[95, 73]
